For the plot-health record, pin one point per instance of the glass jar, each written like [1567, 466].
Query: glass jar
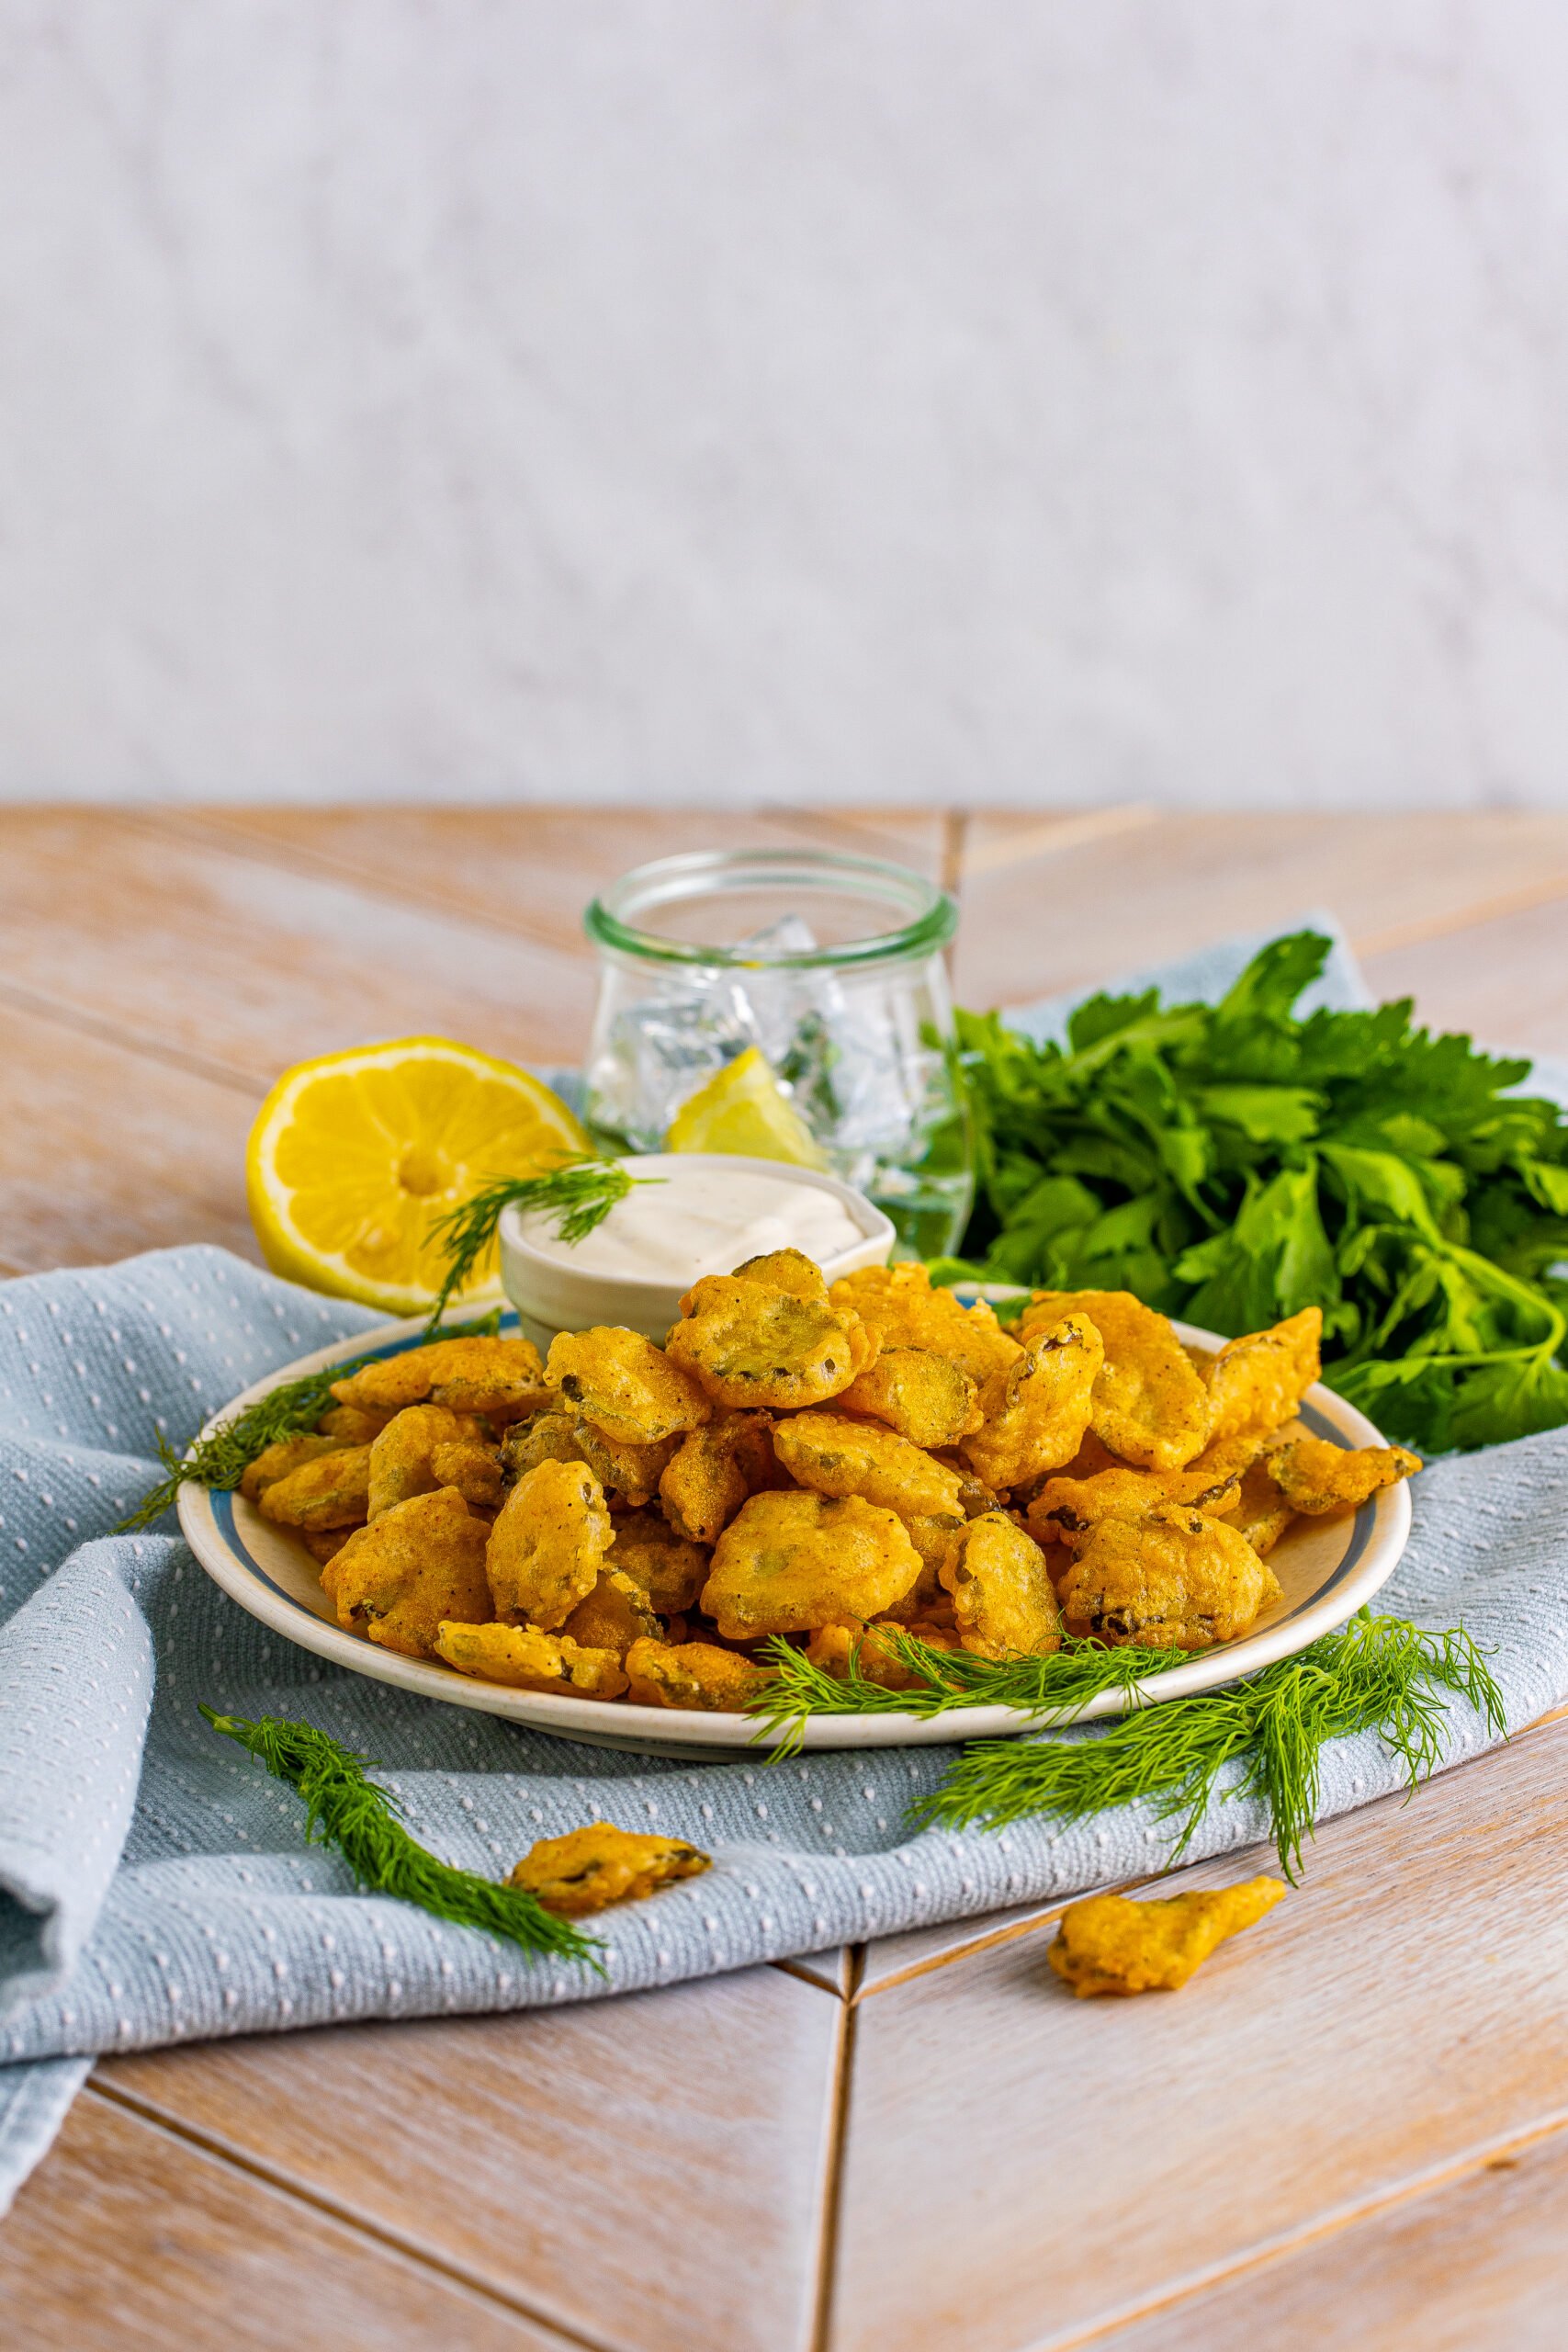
[833, 967]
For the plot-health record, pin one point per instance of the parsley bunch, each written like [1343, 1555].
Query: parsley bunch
[1233, 1163]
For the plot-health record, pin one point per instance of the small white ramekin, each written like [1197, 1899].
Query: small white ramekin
[551, 1296]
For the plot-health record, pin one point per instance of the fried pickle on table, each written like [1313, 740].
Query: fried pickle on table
[1256, 1383]
[616, 1613]
[524, 1659]
[1110, 1944]
[788, 1563]
[713, 1471]
[331, 1491]
[547, 1545]
[1316, 1478]
[667, 1567]
[422, 1562]
[401, 1457]
[286, 1454]
[696, 1675]
[1149, 1406]
[750, 1344]
[901, 1304]
[874, 1650]
[588, 1869]
[501, 1379]
[922, 1395]
[625, 1385]
[1171, 1579]
[1003, 1601]
[1035, 1413]
[835, 1456]
[630, 1473]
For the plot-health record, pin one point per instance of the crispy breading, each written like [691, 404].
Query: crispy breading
[1003, 1603]
[901, 1304]
[1256, 1383]
[286, 1454]
[588, 1868]
[501, 1378]
[668, 1567]
[525, 1659]
[323, 1544]
[353, 1425]
[421, 1563]
[625, 1385]
[694, 1675]
[789, 1562]
[1259, 1511]
[331, 1491]
[1316, 1478]
[714, 1470]
[1110, 1944]
[616, 1613]
[1035, 1413]
[750, 1344]
[835, 1456]
[788, 1269]
[1066, 1510]
[1150, 1406]
[1172, 1580]
[924, 1396]
[631, 1473]
[874, 1650]
[402, 1456]
[547, 1545]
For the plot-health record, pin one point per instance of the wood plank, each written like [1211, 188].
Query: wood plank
[108, 1151]
[532, 871]
[1046, 920]
[647, 2171]
[251, 966]
[127, 2239]
[1505, 981]
[1478, 2266]
[1401, 2009]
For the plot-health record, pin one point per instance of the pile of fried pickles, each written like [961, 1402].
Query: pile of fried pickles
[633, 1522]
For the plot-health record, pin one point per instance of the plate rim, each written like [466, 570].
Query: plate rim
[1386, 1522]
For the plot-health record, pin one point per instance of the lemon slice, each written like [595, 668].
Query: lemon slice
[354, 1156]
[743, 1109]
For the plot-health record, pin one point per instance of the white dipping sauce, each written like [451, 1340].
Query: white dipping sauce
[703, 1221]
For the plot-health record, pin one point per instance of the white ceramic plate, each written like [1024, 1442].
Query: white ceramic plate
[1327, 1569]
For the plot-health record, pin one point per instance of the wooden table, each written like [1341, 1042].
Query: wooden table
[1354, 2123]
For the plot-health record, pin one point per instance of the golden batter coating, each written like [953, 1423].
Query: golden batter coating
[1003, 1603]
[874, 1650]
[525, 1659]
[1067, 1510]
[789, 1270]
[1256, 1384]
[901, 1304]
[665, 1566]
[1172, 1580]
[1108, 1944]
[1035, 1413]
[631, 1473]
[698, 1676]
[750, 1344]
[421, 1563]
[1150, 1406]
[788, 1563]
[547, 1545]
[834, 1455]
[331, 1491]
[1259, 1512]
[401, 1457]
[286, 1454]
[712, 1472]
[625, 1385]
[503, 1379]
[924, 1396]
[352, 1425]
[588, 1868]
[1316, 1478]
[616, 1613]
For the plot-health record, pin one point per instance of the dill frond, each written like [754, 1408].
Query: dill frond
[346, 1810]
[581, 1192]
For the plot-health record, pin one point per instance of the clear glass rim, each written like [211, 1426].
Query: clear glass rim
[931, 911]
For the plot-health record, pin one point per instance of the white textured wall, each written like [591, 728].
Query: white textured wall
[906, 399]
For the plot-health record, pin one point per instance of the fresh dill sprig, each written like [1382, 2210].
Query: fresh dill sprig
[346, 1809]
[1375, 1674]
[581, 1192]
[1054, 1689]
[221, 1458]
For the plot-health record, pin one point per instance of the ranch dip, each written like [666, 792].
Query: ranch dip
[703, 1220]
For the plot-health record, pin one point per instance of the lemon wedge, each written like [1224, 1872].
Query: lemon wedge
[744, 1109]
[354, 1156]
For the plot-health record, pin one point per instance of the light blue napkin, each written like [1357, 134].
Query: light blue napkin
[154, 1882]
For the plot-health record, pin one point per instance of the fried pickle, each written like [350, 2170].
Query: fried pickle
[421, 1563]
[1035, 1413]
[547, 1545]
[591, 1867]
[1316, 1478]
[1256, 1383]
[331, 1491]
[900, 1304]
[1171, 1579]
[1003, 1603]
[401, 1457]
[616, 1613]
[923, 1397]
[874, 1650]
[668, 1567]
[1150, 1406]
[750, 1344]
[834, 1455]
[789, 1270]
[1108, 1944]
[788, 1563]
[525, 1659]
[1067, 1510]
[1260, 1511]
[696, 1675]
[631, 1473]
[286, 1454]
[713, 1471]
[625, 1385]
[501, 1379]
